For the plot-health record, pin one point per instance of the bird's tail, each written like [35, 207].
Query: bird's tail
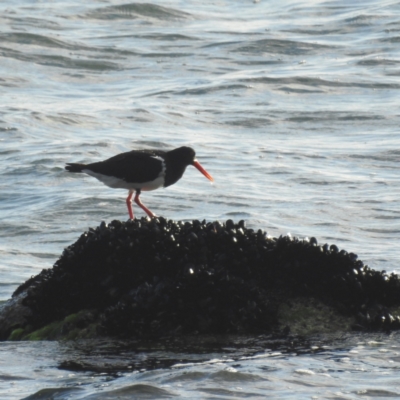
[72, 167]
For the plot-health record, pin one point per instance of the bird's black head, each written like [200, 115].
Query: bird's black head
[177, 160]
[182, 155]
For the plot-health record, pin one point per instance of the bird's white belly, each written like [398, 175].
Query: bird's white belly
[117, 183]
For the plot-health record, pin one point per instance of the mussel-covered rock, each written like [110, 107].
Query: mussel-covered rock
[149, 278]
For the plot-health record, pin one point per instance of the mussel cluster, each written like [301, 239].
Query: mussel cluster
[154, 277]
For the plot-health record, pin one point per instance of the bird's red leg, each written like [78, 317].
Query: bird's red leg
[140, 204]
[129, 204]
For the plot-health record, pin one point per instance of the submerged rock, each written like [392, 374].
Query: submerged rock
[151, 278]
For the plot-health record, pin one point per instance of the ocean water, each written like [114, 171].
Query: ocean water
[292, 106]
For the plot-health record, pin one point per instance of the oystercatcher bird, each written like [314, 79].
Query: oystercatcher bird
[141, 170]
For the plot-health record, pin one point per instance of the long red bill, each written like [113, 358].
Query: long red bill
[202, 170]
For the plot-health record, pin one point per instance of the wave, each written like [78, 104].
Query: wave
[137, 10]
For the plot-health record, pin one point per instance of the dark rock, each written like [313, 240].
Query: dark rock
[157, 277]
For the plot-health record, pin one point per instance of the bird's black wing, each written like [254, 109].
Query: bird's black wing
[134, 166]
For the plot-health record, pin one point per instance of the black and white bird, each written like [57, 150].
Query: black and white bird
[141, 170]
